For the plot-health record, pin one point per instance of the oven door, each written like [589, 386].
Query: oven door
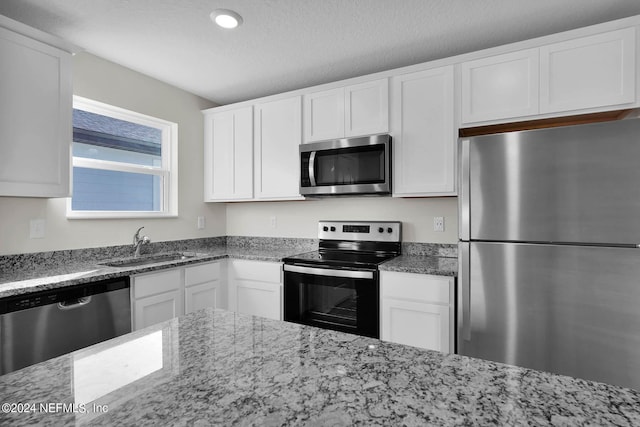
[342, 300]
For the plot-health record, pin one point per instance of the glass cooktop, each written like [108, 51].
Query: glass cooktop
[340, 258]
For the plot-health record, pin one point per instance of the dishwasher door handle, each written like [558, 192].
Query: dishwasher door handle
[71, 304]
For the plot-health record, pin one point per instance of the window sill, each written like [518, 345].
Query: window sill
[119, 215]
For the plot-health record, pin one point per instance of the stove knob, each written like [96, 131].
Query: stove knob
[389, 230]
[325, 228]
[333, 229]
[380, 230]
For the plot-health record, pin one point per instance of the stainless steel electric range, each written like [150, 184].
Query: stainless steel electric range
[337, 287]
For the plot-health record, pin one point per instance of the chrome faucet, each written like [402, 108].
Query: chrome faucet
[139, 241]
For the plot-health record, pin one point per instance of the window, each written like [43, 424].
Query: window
[124, 163]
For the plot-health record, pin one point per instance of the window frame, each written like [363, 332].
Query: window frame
[168, 171]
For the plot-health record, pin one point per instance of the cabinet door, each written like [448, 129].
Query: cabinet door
[205, 286]
[157, 308]
[589, 72]
[229, 155]
[278, 133]
[258, 298]
[367, 108]
[416, 324]
[35, 118]
[423, 133]
[500, 87]
[324, 115]
[201, 296]
[255, 287]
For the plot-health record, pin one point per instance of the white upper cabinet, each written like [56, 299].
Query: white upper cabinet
[367, 108]
[424, 133]
[278, 134]
[35, 116]
[500, 87]
[588, 72]
[228, 151]
[354, 110]
[324, 115]
[582, 75]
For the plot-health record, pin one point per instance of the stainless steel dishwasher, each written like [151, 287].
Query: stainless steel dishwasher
[42, 325]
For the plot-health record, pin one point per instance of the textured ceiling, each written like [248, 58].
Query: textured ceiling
[290, 44]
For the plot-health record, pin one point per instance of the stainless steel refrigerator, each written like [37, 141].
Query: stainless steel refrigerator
[549, 252]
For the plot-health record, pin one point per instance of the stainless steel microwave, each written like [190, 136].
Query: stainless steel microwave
[358, 166]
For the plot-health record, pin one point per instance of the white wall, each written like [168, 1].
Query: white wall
[299, 219]
[105, 81]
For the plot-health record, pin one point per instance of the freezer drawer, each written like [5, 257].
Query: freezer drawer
[575, 184]
[570, 310]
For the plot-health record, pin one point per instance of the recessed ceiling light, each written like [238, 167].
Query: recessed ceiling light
[226, 18]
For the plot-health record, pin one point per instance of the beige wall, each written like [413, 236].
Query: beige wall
[299, 219]
[107, 82]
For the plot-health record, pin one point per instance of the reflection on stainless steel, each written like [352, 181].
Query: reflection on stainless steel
[548, 258]
[568, 309]
[577, 184]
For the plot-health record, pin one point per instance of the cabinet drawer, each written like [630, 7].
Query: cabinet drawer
[201, 273]
[257, 270]
[155, 283]
[416, 287]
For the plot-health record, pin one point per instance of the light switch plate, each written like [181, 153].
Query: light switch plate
[201, 223]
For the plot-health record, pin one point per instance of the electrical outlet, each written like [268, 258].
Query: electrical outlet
[273, 222]
[201, 223]
[36, 229]
[438, 223]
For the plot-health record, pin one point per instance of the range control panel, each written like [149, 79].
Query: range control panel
[372, 231]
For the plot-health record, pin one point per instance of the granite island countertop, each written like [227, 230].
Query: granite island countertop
[214, 367]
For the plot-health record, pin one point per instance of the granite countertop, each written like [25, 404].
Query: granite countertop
[422, 264]
[214, 367]
[21, 281]
[22, 274]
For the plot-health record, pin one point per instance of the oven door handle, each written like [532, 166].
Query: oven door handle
[359, 274]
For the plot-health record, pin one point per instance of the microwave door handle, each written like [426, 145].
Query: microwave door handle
[312, 168]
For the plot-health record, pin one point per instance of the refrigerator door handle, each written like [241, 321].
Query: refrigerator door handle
[464, 294]
[463, 190]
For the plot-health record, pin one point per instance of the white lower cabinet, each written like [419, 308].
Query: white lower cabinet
[204, 286]
[255, 288]
[160, 296]
[417, 310]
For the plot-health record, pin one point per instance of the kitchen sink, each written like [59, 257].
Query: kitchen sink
[149, 259]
